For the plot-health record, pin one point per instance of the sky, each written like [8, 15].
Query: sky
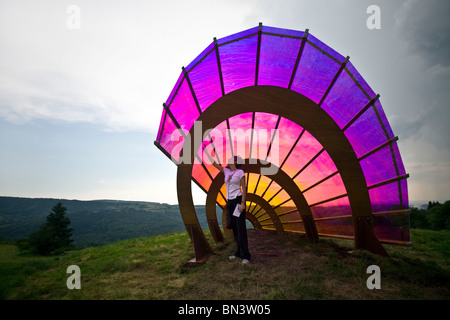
[82, 85]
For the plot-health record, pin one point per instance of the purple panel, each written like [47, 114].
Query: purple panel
[382, 116]
[183, 107]
[365, 134]
[326, 48]
[401, 167]
[286, 32]
[385, 198]
[314, 73]
[392, 227]
[405, 199]
[365, 87]
[344, 100]
[379, 166]
[277, 60]
[205, 80]
[201, 56]
[221, 143]
[238, 35]
[238, 63]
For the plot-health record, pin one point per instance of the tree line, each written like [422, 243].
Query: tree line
[435, 217]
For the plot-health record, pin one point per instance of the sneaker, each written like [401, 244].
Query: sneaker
[232, 257]
[245, 261]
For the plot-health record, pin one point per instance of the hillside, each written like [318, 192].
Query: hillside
[284, 266]
[94, 222]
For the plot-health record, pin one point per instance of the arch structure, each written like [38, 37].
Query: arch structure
[320, 156]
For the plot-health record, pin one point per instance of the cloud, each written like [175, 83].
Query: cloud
[425, 27]
[116, 70]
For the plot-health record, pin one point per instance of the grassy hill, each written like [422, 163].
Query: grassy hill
[94, 222]
[285, 266]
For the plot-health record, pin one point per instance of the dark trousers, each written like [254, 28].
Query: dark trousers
[239, 227]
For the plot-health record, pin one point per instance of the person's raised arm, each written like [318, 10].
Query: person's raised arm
[218, 166]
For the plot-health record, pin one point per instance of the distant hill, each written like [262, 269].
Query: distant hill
[94, 222]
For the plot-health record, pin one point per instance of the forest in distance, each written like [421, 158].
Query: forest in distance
[94, 222]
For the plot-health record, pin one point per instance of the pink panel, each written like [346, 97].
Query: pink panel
[288, 133]
[241, 134]
[328, 189]
[319, 169]
[304, 151]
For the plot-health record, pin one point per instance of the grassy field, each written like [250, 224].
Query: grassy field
[285, 266]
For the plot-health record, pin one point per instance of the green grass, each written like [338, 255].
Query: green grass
[284, 266]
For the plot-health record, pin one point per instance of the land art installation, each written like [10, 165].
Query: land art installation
[320, 156]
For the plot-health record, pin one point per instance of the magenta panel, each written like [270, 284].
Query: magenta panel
[375, 173]
[183, 107]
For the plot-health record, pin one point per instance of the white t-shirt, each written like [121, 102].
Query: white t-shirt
[233, 184]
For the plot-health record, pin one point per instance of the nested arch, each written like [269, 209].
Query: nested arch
[298, 109]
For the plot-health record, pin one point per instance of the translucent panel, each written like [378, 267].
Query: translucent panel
[314, 73]
[288, 133]
[251, 183]
[385, 198]
[294, 227]
[220, 200]
[335, 208]
[344, 100]
[201, 176]
[401, 167]
[340, 227]
[272, 190]
[293, 215]
[239, 35]
[287, 32]
[277, 60]
[265, 124]
[239, 55]
[161, 124]
[306, 148]
[220, 139]
[382, 117]
[404, 193]
[241, 134]
[171, 139]
[373, 171]
[262, 185]
[392, 227]
[322, 167]
[359, 79]
[205, 81]
[183, 107]
[286, 207]
[330, 188]
[279, 198]
[338, 58]
[365, 134]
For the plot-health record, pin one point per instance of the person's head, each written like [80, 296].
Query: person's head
[235, 163]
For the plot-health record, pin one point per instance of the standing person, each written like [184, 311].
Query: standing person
[236, 196]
